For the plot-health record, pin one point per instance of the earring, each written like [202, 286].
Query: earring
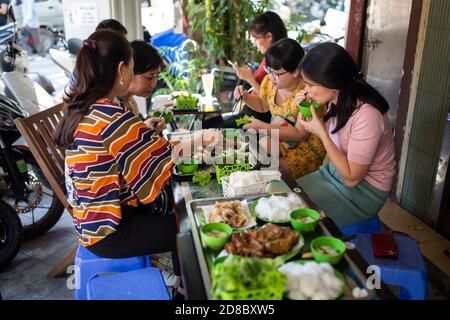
[121, 82]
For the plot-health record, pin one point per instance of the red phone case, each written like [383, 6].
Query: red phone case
[384, 245]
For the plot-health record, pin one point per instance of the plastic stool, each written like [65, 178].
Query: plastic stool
[143, 284]
[369, 226]
[88, 265]
[406, 271]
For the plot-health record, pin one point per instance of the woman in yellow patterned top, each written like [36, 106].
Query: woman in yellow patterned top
[281, 91]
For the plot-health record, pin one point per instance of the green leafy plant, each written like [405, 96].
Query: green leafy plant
[296, 23]
[185, 73]
[224, 25]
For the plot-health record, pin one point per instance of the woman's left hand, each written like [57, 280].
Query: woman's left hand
[157, 124]
[315, 126]
[244, 73]
[255, 124]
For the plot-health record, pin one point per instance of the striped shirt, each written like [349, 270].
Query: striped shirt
[115, 162]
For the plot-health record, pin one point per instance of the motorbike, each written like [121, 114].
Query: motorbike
[22, 183]
[65, 55]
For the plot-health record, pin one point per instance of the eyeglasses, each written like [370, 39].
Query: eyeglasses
[272, 73]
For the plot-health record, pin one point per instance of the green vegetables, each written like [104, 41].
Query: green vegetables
[202, 178]
[186, 102]
[167, 116]
[236, 275]
[243, 121]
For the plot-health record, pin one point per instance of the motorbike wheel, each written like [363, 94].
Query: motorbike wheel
[42, 209]
[10, 234]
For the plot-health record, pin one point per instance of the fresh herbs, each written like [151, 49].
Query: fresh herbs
[202, 178]
[243, 121]
[237, 274]
[186, 102]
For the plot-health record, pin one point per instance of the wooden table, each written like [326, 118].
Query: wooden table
[190, 267]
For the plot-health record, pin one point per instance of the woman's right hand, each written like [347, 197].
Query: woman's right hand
[239, 92]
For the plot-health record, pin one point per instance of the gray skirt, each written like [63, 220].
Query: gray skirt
[344, 205]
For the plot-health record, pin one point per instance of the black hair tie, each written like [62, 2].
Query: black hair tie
[359, 76]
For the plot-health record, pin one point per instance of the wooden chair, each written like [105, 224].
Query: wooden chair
[38, 131]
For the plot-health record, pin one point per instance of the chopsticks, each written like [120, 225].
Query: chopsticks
[237, 103]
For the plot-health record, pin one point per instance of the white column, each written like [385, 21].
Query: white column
[128, 12]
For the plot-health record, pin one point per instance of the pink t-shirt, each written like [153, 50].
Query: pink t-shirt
[367, 139]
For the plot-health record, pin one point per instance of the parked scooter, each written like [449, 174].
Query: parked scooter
[14, 60]
[65, 56]
[22, 183]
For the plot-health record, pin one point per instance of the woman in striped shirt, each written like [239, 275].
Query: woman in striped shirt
[116, 163]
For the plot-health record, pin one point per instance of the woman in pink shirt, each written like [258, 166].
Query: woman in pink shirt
[355, 184]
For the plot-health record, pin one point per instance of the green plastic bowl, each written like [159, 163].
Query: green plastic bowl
[188, 166]
[215, 243]
[304, 226]
[305, 108]
[306, 112]
[330, 242]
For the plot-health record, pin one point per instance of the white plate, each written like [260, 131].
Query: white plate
[282, 221]
[207, 210]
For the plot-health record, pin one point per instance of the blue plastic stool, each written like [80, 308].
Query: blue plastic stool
[369, 226]
[406, 271]
[88, 265]
[143, 284]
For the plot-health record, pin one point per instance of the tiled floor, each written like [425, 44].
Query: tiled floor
[26, 277]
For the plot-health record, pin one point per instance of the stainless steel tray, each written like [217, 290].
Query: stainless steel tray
[353, 277]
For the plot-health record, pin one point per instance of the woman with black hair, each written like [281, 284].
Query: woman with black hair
[265, 30]
[356, 134]
[116, 166]
[147, 66]
[112, 24]
[281, 91]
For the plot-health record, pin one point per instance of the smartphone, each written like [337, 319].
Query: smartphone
[384, 246]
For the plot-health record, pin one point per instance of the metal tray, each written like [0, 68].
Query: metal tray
[353, 277]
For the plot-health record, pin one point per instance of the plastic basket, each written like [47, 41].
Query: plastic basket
[233, 191]
[224, 170]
